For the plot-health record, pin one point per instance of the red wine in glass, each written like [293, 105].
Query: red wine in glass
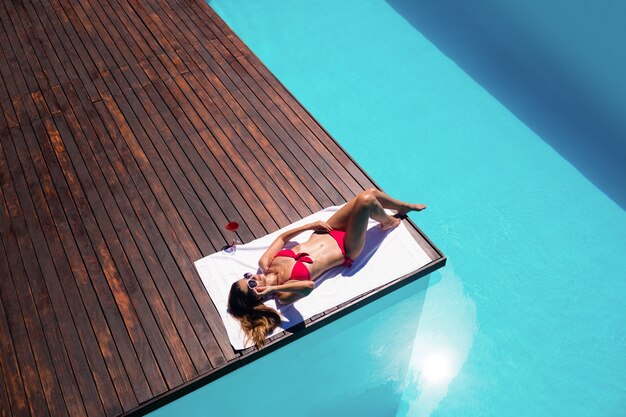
[233, 240]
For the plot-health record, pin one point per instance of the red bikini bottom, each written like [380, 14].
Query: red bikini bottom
[339, 236]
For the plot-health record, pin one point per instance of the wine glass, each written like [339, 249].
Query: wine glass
[233, 240]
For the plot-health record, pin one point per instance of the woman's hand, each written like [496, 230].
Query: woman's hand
[320, 226]
[264, 291]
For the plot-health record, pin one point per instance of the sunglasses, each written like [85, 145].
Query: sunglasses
[252, 283]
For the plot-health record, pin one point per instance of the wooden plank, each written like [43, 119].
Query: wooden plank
[285, 123]
[217, 194]
[56, 362]
[9, 118]
[5, 409]
[24, 321]
[112, 128]
[135, 311]
[31, 39]
[118, 375]
[248, 140]
[13, 27]
[305, 151]
[103, 295]
[70, 58]
[67, 28]
[240, 114]
[48, 250]
[263, 77]
[141, 186]
[204, 230]
[172, 241]
[112, 400]
[15, 401]
[108, 337]
[19, 90]
[233, 121]
[146, 154]
[126, 221]
[86, 143]
[247, 165]
[105, 341]
[218, 87]
[63, 248]
[112, 310]
[163, 319]
[154, 336]
[76, 357]
[238, 187]
[159, 62]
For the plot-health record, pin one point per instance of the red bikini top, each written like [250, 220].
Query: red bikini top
[299, 271]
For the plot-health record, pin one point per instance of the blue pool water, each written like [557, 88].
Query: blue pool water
[527, 318]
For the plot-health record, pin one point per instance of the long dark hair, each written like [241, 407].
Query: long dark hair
[257, 320]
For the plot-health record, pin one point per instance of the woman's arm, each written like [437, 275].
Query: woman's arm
[284, 298]
[292, 286]
[279, 243]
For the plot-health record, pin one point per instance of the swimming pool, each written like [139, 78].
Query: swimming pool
[528, 316]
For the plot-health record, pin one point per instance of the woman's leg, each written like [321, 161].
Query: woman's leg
[340, 219]
[353, 217]
[391, 203]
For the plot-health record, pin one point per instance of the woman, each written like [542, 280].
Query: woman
[289, 274]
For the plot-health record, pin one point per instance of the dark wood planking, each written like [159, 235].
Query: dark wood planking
[151, 130]
[142, 241]
[159, 217]
[64, 249]
[12, 379]
[51, 362]
[83, 371]
[35, 361]
[112, 402]
[162, 61]
[233, 90]
[173, 339]
[284, 99]
[7, 356]
[106, 77]
[50, 255]
[126, 240]
[118, 270]
[195, 281]
[336, 159]
[215, 128]
[76, 355]
[35, 53]
[95, 157]
[304, 151]
[167, 79]
[226, 104]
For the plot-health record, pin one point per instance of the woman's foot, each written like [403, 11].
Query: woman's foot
[410, 207]
[390, 222]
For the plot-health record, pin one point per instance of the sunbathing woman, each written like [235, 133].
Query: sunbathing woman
[289, 274]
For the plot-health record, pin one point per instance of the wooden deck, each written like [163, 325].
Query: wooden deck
[131, 132]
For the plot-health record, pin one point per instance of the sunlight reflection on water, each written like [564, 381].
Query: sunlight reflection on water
[442, 343]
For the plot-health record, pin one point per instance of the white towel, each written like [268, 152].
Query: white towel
[387, 255]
